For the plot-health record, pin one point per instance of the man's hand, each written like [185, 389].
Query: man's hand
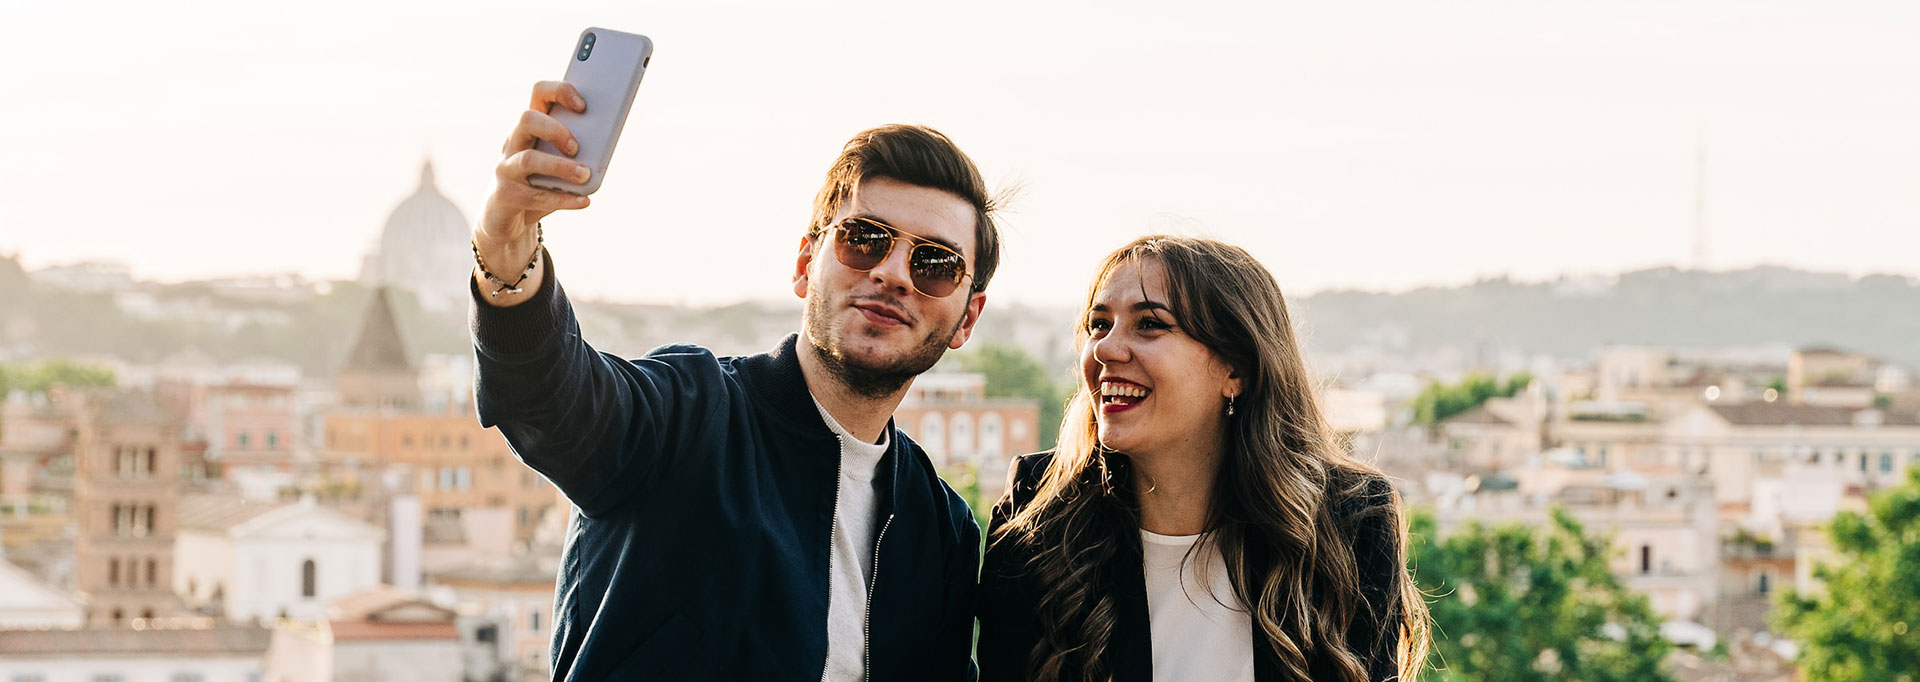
[505, 234]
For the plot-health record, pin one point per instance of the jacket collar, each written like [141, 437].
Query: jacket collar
[775, 379]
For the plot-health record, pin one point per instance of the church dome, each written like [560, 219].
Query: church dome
[423, 247]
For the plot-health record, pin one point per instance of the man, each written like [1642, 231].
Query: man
[755, 517]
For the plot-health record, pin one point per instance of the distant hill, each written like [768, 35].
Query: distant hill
[1878, 314]
[313, 327]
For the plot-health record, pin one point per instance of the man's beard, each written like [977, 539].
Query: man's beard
[825, 331]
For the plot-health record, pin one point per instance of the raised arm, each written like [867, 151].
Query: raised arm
[506, 238]
[595, 424]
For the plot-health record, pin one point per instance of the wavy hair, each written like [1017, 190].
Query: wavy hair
[1283, 504]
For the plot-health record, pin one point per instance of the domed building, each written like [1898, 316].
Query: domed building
[424, 248]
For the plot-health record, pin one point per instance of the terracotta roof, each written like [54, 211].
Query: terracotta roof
[359, 604]
[232, 639]
[220, 512]
[523, 571]
[1782, 414]
[133, 406]
[388, 604]
[1478, 415]
[360, 630]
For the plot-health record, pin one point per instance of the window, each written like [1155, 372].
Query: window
[242, 440]
[1646, 559]
[533, 620]
[1766, 578]
[960, 435]
[146, 614]
[486, 634]
[153, 571]
[992, 441]
[1863, 461]
[307, 579]
[113, 572]
[273, 440]
[118, 616]
[118, 529]
[1886, 462]
[932, 434]
[463, 479]
[148, 528]
[152, 457]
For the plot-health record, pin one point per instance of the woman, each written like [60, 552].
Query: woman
[1198, 520]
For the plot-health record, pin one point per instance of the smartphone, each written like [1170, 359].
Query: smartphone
[606, 68]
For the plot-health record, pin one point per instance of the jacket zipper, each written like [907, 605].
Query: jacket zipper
[833, 534]
[866, 638]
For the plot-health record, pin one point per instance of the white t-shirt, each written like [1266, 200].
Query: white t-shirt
[850, 566]
[1200, 630]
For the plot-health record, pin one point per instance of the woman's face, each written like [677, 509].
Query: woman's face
[1155, 388]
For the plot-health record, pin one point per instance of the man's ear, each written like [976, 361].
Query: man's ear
[800, 266]
[975, 303]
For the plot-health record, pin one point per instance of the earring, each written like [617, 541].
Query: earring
[1229, 406]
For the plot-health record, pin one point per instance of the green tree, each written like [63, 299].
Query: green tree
[1011, 373]
[1439, 401]
[1523, 604]
[1864, 623]
[51, 373]
[966, 482]
[70, 374]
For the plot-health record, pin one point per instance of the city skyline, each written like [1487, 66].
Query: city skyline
[1346, 148]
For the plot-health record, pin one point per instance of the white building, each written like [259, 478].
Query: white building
[248, 560]
[379, 635]
[26, 602]
[184, 650]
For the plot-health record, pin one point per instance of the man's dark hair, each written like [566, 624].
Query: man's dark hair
[921, 156]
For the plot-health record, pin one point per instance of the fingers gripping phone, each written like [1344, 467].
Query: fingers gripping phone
[606, 69]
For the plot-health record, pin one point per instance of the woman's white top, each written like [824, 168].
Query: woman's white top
[1200, 629]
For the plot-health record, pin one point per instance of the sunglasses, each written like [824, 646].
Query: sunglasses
[863, 244]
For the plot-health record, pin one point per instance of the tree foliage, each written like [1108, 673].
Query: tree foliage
[1864, 622]
[55, 372]
[1439, 401]
[1522, 604]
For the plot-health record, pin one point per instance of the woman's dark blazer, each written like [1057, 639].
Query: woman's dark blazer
[1009, 591]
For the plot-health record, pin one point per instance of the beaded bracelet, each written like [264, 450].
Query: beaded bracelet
[540, 238]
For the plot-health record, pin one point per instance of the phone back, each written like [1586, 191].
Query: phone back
[606, 68]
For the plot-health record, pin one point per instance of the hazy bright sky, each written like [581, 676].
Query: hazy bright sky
[1381, 145]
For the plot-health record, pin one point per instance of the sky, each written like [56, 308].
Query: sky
[1375, 145]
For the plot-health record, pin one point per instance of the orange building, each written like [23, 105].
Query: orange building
[951, 417]
[126, 492]
[452, 462]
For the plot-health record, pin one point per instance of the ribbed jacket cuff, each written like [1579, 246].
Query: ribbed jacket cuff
[520, 328]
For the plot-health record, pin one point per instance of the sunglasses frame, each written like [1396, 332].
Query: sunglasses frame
[914, 241]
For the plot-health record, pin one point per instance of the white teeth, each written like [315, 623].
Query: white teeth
[1114, 389]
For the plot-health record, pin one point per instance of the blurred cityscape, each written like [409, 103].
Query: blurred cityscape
[280, 479]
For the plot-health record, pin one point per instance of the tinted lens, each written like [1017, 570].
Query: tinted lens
[862, 245]
[936, 271]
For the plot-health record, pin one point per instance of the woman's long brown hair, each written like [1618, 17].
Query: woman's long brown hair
[1284, 480]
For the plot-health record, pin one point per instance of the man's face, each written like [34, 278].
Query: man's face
[872, 329]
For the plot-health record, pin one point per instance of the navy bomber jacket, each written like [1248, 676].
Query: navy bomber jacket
[704, 488]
